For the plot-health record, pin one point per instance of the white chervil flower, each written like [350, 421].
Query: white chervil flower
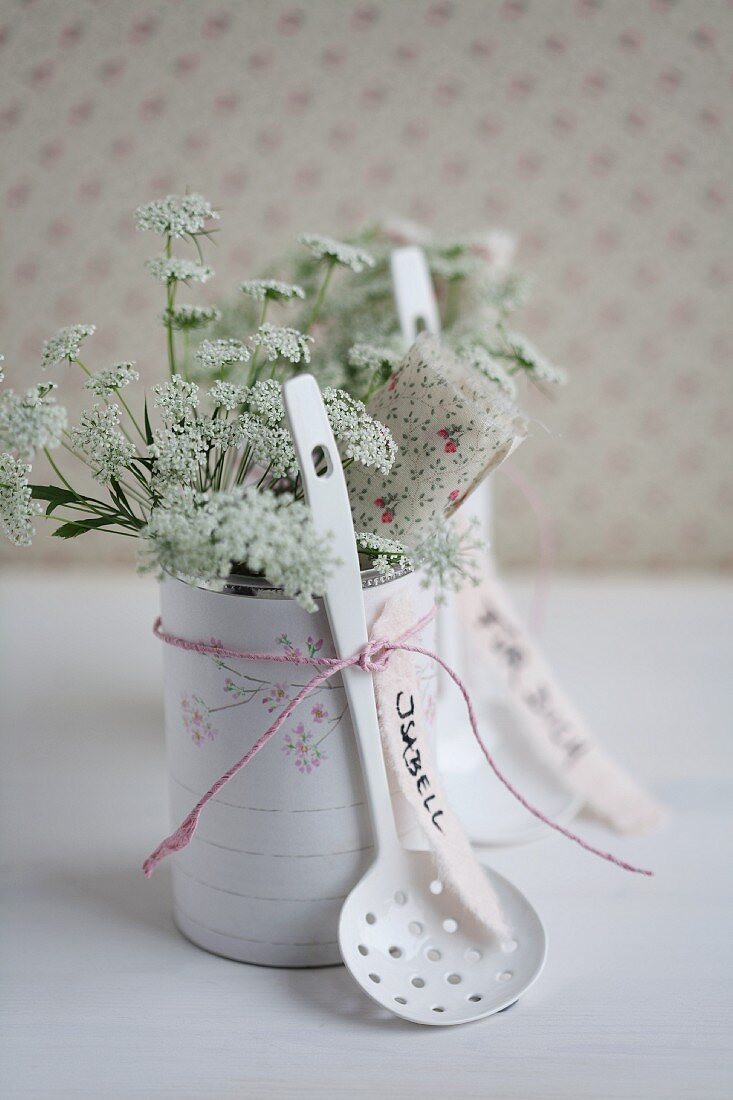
[216, 354]
[272, 289]
[176, 270]
[106, 382]
[17, 507]
[288, 343]
[448, 556]
[177, 399]
[336, 251]
[386, 555]
[191, 317]
[177, 453]
[485, 363]
[31, 421]
[272, 447]
[266, 401]
[366, 440]
[65, 344]
[176, 215]
[201, 537]
[227, 395]
[373, 358]
[533, 361]
[107, 449]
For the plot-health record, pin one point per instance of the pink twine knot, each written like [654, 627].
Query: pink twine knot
[375, 655]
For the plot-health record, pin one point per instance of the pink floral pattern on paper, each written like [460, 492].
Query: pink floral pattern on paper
[195, 715]
[306, 754]
[276, 697]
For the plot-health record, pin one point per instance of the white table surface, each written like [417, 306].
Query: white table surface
[103, 998]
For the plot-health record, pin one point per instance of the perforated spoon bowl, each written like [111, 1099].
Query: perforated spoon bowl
[405, 937]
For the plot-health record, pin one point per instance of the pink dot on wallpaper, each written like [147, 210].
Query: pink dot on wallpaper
[290, 22]
[364, 17]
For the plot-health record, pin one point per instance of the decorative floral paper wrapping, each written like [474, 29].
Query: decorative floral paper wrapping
[452, 427]
[412, 770]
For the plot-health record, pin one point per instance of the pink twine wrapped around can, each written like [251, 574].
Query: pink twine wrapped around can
[373, 657]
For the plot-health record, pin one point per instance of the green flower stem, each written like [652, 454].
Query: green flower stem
[252, 377]
[170, 303]
[128, 410]
[320, 297]
[58, 473]
[451, 303]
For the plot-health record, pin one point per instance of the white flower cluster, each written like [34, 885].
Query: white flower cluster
[65, 344]
[533, 361]
[176, 215]
[272, 289]
[266, 401]
[387, 556]
[98, 437]
[176, 270]
[106, 382]
[286, 343]
[373, 358]
[216, 354]
[366, 440]
[336, 251]
[177, 399]
[177, 453]
[272, 447]
[31, 420]
[202, 537]
[486, 364]
[447, 556]
[17, 508]
[227, 395]
[191, 317]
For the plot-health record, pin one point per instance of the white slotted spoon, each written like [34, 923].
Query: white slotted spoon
[405, 937]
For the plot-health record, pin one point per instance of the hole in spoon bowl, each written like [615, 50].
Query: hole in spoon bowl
[475, 997]
[473, 955]
[396, 952]
[454, 979]
[433, 954]
[401, 897]
[418, 982]
[370, 918]
[363, 949]
[415, 927]
[450, 925]
[436, 886]
[401, 1000]
[375, 978]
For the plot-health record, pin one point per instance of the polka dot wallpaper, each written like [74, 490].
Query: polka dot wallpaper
[598, 131]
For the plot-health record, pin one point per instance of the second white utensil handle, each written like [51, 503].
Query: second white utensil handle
[326, 493]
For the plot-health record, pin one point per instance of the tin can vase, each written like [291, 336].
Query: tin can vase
[277, 851]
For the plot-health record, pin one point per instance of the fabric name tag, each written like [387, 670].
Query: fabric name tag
[551, 724]
[411, 767]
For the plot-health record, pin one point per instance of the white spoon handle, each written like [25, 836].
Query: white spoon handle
[414, 295]
[328, 498]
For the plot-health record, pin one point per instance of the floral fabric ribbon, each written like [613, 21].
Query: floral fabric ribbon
[452, 427]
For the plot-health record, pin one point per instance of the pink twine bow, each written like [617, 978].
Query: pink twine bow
[373, 657]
